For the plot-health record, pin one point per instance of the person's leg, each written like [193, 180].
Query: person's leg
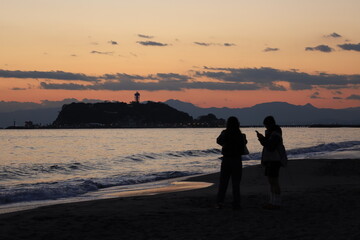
[236, 179]
[272, 172]
[267, 174]
[274, 185]
[275, 189]
[223, 184]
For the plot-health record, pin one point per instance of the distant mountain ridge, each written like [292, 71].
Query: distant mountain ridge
[285, 113]
[43, 116]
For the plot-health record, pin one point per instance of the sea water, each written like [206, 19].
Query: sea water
[38, 165]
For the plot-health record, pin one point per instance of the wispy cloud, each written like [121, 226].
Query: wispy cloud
[321, 48]
[113, 42]
[124, 76]
[152, 43]
[315, 95]
[207, 44]
[333, 35]
[353, 97]
[203, 44]
[350, 46]
[168, 77]
[17, 89]
[133, 54]
[337, 92]
[271, 49]
[145, 36]
[69, 86]
[172, 77]
[229, 44]
[102, 53]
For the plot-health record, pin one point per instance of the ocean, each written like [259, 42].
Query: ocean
[68, 164]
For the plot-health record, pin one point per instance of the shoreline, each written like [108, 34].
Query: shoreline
[143, 189]
[318, 194]
[148, 188]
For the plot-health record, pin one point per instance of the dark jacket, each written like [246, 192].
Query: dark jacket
[274, 149]
[233, 143]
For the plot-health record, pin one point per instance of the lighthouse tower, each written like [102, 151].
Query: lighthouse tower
[137, 97]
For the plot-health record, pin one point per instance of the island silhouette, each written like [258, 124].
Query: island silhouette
[134, 114]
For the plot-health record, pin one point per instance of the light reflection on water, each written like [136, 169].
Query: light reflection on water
[80, 160]
[77, 145]
[104, 145]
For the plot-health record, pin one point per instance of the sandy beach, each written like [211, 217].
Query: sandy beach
[321, 200]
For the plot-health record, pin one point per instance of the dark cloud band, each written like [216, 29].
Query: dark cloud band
[271, 49]
[152, 43]
[350, 47]
[208, 78]
[56, 75]
[145, 36]
[353, 97]
[321, 48]
[297, 80]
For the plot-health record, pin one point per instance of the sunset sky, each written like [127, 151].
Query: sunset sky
[212, 53]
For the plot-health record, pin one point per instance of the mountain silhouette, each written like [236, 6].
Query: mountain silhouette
[43, 116]
[284, 113]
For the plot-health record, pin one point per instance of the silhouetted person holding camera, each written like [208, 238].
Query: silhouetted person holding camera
[273, 157]
[233, 143]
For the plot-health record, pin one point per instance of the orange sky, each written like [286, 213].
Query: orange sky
[179, 45]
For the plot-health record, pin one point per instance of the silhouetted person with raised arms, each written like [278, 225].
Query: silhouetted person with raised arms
[233, 143]
[273, 157]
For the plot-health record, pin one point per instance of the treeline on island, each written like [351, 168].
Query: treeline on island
[123, 115]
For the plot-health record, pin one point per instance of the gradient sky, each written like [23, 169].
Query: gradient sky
[222, 53]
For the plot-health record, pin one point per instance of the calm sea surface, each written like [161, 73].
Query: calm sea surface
[52, 164]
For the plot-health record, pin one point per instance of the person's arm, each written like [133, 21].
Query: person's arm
[245, 140]
[260, 137]
[271, 142]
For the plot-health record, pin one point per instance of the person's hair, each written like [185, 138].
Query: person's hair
[269, 120]
[232, 123]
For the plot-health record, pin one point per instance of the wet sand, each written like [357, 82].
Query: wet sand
[321, 201]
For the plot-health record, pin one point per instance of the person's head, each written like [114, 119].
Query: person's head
[269, 122]
[232, 123]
